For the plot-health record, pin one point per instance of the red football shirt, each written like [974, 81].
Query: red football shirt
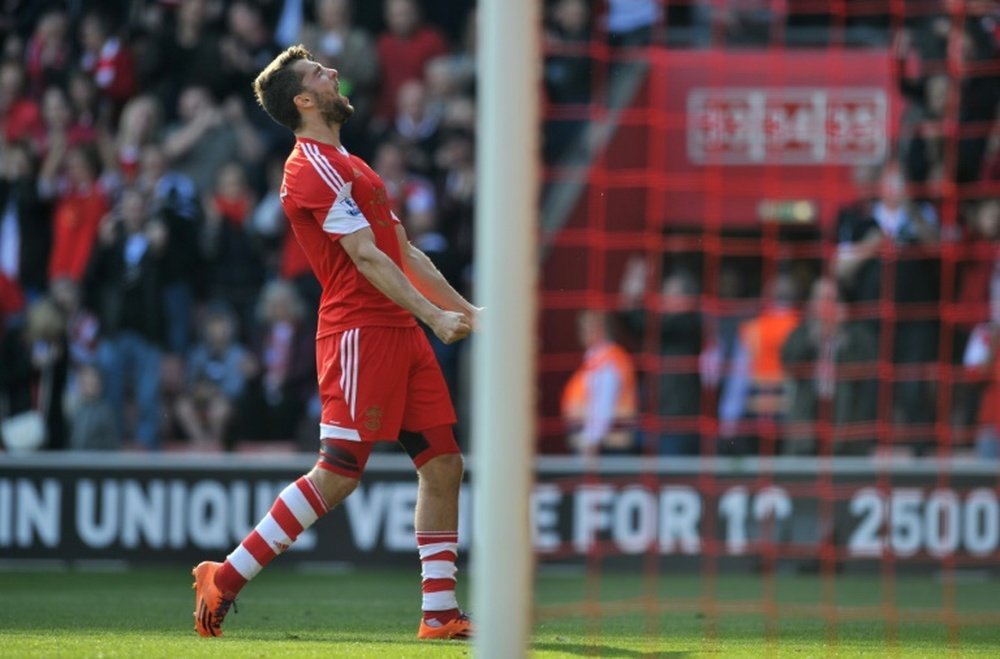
[328, 193]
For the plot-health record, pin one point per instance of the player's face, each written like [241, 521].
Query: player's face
[324, 85]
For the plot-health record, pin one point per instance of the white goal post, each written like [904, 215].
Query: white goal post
[503, 397]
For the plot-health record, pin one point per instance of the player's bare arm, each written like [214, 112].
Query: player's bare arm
[427, 279]
[385, 275]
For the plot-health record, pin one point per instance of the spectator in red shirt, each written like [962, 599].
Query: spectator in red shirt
[107, 59]
[19, 114]
[81, 202]
[403, 52]
[60, 122]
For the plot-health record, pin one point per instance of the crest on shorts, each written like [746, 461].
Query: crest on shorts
[373, 418]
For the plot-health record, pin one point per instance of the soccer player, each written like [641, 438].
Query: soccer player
[377, 373]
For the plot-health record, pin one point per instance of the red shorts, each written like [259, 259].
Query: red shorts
[374, 381]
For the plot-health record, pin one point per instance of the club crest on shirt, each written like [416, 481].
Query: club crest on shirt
[373, 418]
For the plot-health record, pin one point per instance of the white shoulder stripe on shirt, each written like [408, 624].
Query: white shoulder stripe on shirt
[319, 169]
[324, 162]
[323, 166]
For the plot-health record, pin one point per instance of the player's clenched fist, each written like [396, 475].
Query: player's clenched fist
[450, 326]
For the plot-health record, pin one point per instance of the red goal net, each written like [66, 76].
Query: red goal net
[787, 215]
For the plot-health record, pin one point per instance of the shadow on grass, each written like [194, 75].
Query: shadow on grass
[598, 650]
[580, 649]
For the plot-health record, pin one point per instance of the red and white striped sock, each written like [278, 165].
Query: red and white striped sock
[296, 508]
[438, 551]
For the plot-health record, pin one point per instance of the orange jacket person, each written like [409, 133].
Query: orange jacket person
[599, 401]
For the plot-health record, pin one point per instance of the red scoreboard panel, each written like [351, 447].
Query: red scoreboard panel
[731, 130]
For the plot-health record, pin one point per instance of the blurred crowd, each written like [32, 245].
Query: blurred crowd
[150, 293]
[885, 336]
[151, 296]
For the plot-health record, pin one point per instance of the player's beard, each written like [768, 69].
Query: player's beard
[336, 110]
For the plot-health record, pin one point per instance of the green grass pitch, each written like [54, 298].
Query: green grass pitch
[147, 613]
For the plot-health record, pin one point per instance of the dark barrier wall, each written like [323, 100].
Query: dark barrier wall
[140, 509]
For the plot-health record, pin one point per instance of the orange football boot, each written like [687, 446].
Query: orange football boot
[210, 607]
[459, 628]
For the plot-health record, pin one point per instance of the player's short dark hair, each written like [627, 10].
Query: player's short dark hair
[278, 84]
